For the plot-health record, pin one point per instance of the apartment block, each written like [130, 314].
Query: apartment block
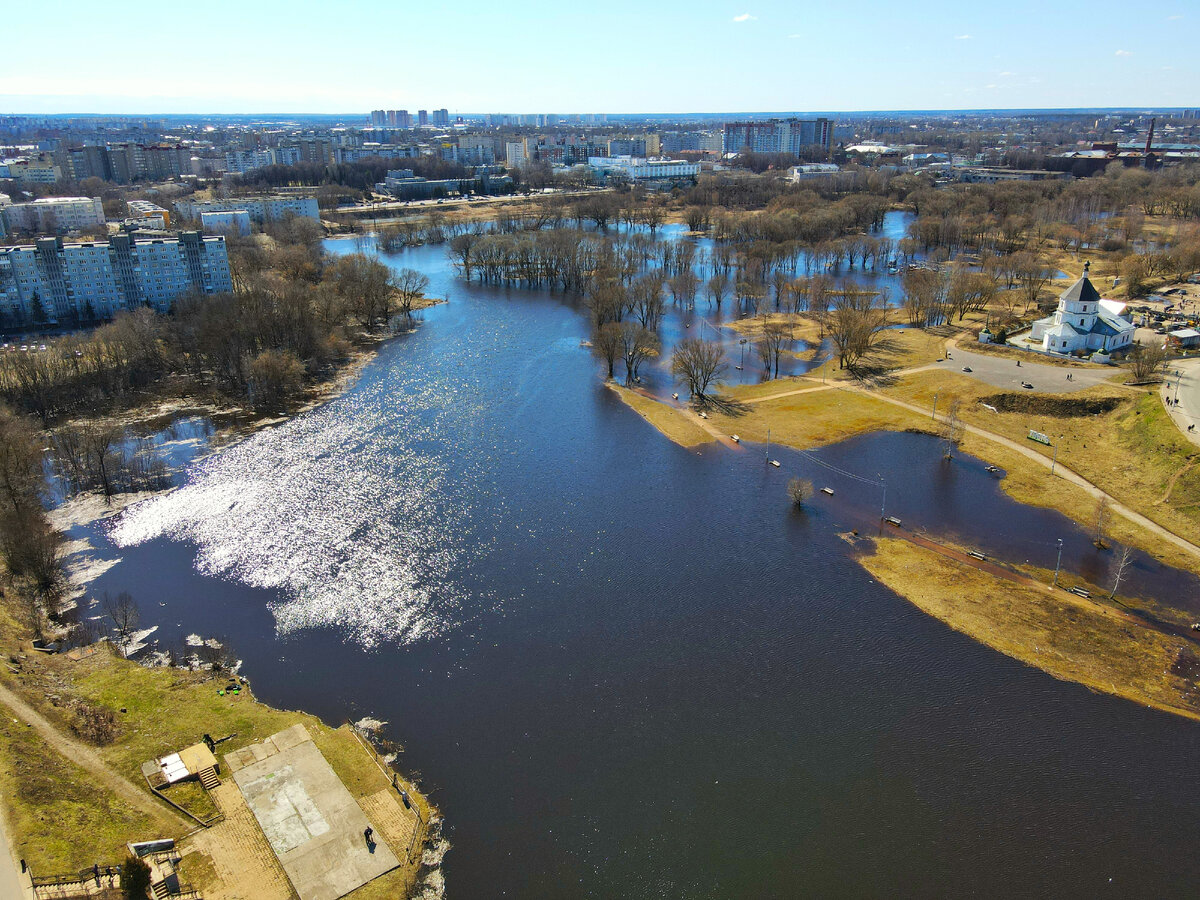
[51, 214]
[261, 209]
[779, 135]
[62, 282]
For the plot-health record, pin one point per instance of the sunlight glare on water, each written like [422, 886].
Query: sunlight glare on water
[352, 528]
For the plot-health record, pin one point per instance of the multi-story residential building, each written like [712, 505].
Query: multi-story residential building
[378, 117]
[779, 136]
[39, 169]
[261, 209]
[476, 149]
[242, 161]
[284, 156]
[627, 147]
[441, 118]
[403, 119]
[53, 281]
[52, 214]
[318, 150]
[516, 153]
[144, 209]
[222, 221]
[422, 118]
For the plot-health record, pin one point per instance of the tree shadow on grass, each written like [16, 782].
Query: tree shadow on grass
[722, 404]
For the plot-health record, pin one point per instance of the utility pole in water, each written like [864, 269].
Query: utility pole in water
[1057, 564]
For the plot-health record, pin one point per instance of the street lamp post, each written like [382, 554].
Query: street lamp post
[1058, 564]
[935, 401]
[1054, 461]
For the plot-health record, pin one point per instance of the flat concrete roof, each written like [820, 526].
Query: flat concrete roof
[309, 818]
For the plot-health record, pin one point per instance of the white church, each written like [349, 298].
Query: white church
[1083, 322]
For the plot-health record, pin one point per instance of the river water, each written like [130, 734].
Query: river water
[626, 669]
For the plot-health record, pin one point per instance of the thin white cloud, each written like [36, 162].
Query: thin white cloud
[1007, 74]
[962, 37]
[792, 37]
[1124, 53]
[1174, 18]
[744, 17]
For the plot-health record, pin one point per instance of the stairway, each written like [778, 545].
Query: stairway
[208, 778]
[160, 890]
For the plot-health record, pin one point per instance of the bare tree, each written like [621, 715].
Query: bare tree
[854, 324]
[1103, 508]
[717, 288]
[951, 430]
[699, 364]
[799, 490]
[124, 614]
[1123, 564]
[770, 346]
[606, 344]
[410, 286]
[1146, 362]
[637, 343]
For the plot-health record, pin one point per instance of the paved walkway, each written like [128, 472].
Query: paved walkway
[13, 885]
[1186, 386]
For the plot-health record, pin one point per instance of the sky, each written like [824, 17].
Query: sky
[610, 56]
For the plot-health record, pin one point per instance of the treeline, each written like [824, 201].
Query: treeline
[361, 176]
[283, 327]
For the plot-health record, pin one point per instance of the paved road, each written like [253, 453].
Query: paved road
[1002, 372]
[13, 884]
[1186, 386]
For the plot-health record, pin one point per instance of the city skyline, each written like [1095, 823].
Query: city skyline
[669, 58]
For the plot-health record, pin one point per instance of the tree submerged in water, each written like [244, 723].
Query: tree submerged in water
[799, 490]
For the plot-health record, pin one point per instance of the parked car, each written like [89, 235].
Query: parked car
[1027, 385]
[966, 368]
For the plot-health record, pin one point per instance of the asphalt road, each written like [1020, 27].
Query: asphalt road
[13, 886]
[1002, 372]
[1183, 382]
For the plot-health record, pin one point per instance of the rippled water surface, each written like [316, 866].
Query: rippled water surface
[628, 669]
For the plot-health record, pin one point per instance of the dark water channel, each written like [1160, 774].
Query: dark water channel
[628, 669]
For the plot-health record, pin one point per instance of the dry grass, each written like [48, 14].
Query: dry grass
[817, 418]
[62, 819]
[1073, 639]
[164, 710]
[670, 421]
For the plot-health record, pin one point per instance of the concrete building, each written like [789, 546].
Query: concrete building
[779, 136]
[516, 153]
[220, 221]
[65, 282]
[1082, 323]
[242, 161]
[422, 118]
[39, 169]
[53, 214]
[260, 209]
[144, 209]
[812, 170]
[635, 169]
[441, 118]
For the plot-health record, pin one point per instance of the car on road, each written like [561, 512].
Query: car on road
[1027, 385]
[966, 368]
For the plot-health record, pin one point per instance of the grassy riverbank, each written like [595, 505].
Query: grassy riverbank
[1090, 642]
[64, 817]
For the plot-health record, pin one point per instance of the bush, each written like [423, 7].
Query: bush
[276, 378]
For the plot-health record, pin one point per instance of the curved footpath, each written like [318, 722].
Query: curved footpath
[88, 759]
